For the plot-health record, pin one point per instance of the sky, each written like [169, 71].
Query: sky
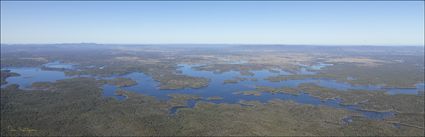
[214, 22]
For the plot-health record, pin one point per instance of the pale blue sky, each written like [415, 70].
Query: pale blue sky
[305, 22]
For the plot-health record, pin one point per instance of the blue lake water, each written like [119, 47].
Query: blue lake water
[110, 92]
[59, 65]
[146, 85]
[29, 75]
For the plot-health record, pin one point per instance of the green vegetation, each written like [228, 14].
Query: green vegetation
[5, 74]
[363, 127]
[121, 82]
[290, 77]
[22, 62]
[83, 111]
[42, 85]
[182, 81]
[165, 74]
[236, 80]
[386, 72]
[370, 100]
[249, 92]
[121, 92]
[230, 81]
[412, 120]
[180, 99]
[279, 118]
[214, 98]
[392, 74]
[76, 107]
[244, 69]
[391, 66]
[277, 90]
[367, 100]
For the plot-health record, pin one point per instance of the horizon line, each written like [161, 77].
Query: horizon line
[252, 44]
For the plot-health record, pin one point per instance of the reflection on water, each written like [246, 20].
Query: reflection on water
[146, 85]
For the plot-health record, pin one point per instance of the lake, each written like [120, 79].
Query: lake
[146, 85]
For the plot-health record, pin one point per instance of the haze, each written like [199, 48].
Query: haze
[316, 23]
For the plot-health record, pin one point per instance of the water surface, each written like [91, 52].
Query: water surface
[146, 85]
